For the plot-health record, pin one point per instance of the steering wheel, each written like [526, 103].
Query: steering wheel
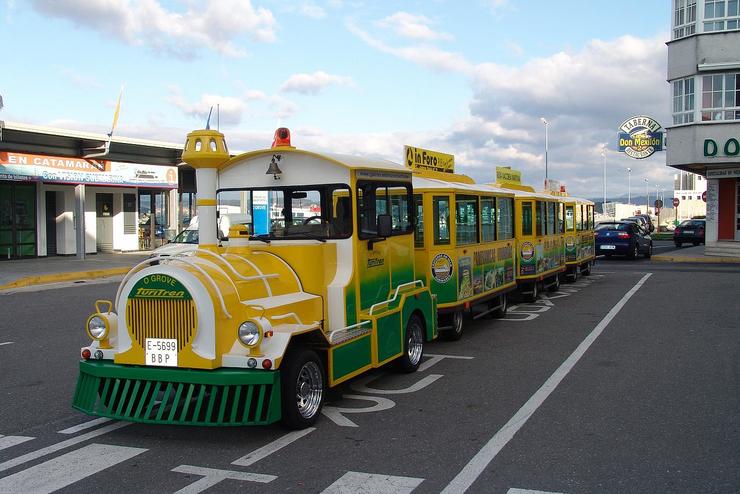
[311, 218]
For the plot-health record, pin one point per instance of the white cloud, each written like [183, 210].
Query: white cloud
[228, 110]
[310, 9]
[412, 26]
[312, 83]
[215, 26]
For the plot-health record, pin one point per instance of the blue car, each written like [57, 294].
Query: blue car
[622, 238]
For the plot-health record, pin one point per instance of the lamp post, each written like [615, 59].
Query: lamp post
[629, 185]
[544, 121]
[647, 194]
[603, 155]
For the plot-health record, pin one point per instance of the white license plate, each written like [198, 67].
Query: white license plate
[689, 232]
[608, 247]
[161, 352]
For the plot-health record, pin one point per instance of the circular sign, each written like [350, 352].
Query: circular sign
[676, 202]
[527, 251]
[442, 268]
[658, 203]
[704, 196]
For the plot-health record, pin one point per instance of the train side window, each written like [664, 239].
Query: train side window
[441, 208]
[540, 217]
[419, 230]
[526, 218]
[579, 217]
[551, 219]
[569, 218]
[505, 218]
[561, 218]
[488, 219]
[375, 199]
[590, 217]
[466, 219]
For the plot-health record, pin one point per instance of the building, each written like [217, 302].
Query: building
[704, 137]
[61, 189]
[689, 188]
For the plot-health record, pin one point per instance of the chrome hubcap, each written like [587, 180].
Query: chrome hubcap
[309, 389]
[415, 342]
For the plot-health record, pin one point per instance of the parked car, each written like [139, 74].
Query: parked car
[689, 231]
[648, 220]
[186, 242]
[640, 220]
[622, 238]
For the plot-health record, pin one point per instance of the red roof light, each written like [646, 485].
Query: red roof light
[282, 138]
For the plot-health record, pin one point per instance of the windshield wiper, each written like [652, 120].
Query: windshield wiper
[262, 238]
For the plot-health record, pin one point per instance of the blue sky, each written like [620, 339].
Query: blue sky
[470, 78]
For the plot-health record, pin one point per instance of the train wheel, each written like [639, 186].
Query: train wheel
[587, 270]
[535, 292]
[573, 275]
[554, 287]
[456, 331]
[303, 388]
[413, 346]
[503, 308]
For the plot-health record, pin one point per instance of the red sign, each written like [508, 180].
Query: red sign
[704, 196]
[675, 202]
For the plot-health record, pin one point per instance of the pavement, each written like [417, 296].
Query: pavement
[57, 269]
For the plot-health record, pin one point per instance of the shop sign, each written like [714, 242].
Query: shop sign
[424, 159]
[731, 148]
[640, 137]
[59, 169]
[506, 175]
[723, 173]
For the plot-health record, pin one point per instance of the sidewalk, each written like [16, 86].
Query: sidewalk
[693, 254]
[55, 269]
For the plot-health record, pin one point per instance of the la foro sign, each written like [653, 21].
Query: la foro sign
[639, 137]
[731, 147]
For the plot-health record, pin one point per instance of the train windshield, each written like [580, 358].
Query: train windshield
[317, 212]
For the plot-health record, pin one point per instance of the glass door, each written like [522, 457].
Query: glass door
[17, 220]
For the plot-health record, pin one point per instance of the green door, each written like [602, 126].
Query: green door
[17, 220]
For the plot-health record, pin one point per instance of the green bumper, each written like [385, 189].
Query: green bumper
[157, 395]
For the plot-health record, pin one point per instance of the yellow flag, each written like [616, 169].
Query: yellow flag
[118, 110]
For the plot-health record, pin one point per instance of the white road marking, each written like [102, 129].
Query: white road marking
[10, 441]
[85, 425]
[372, 483]
[268, 449]
[67, 469]
[33, 455]
[528, 316]
[212, 476]
[528, 309]
[7, 343]
[483, 458]
[335, 413]
[527, 491]
[361, 386]
[435, 359]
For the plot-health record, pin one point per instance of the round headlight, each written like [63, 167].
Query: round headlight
[249, 333]
[97, 327]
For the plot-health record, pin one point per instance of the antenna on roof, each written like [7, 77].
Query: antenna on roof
[208, 122]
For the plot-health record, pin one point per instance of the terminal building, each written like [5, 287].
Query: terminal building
[124, 194]
[704, 136]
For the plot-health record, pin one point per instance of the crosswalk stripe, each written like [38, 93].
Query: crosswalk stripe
[85, 425]
[67, 469]
[7, 465]
[352, 482]
[8, 441]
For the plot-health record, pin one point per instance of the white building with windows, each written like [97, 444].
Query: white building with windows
[689, 189]
[704, 138]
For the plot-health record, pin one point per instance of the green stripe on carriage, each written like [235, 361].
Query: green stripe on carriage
[352, 356]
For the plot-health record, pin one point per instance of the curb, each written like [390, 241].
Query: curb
[704, 259]
[60, 277]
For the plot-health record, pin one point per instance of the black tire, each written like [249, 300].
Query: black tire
[678, 244]
[503, 307]
[634, 251]
[531, 297]
[649, 252]
[413, 345]
[303, 388]
[456, 332]
[587, 270]
[554, 287]
[572, 276]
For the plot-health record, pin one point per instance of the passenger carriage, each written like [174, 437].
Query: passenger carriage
[580, 252]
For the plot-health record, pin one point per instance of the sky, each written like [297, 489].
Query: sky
[469, 78]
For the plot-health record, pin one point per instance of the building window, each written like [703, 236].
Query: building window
[684, 18]
[720, 97]
[683, 101]
[721, 15]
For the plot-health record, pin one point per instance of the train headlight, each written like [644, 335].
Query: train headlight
[249, 333]
[97, 326]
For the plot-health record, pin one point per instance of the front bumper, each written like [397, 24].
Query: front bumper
[157, 395]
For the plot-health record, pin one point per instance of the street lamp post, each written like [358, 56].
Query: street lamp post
[544, 121]
[629, 185]
[603, 155]
[647, 195]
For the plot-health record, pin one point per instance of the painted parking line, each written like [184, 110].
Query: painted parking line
[67, 469]
[85, 425]
[10, 441]
[212, 476]
[493, 447]
[354, 482]
[7, 343]
[33, 455]
[528, 491]
[268, 449]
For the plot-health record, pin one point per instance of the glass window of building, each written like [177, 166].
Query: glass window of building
[720, 97]
[683, 101]
[466, 219]
[684, 18]
[505, 218]
[721, 15]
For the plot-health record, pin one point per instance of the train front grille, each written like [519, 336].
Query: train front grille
[162, 318]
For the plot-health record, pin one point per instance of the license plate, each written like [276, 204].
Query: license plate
[689, 232]
[161, 352]
[608, 247]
